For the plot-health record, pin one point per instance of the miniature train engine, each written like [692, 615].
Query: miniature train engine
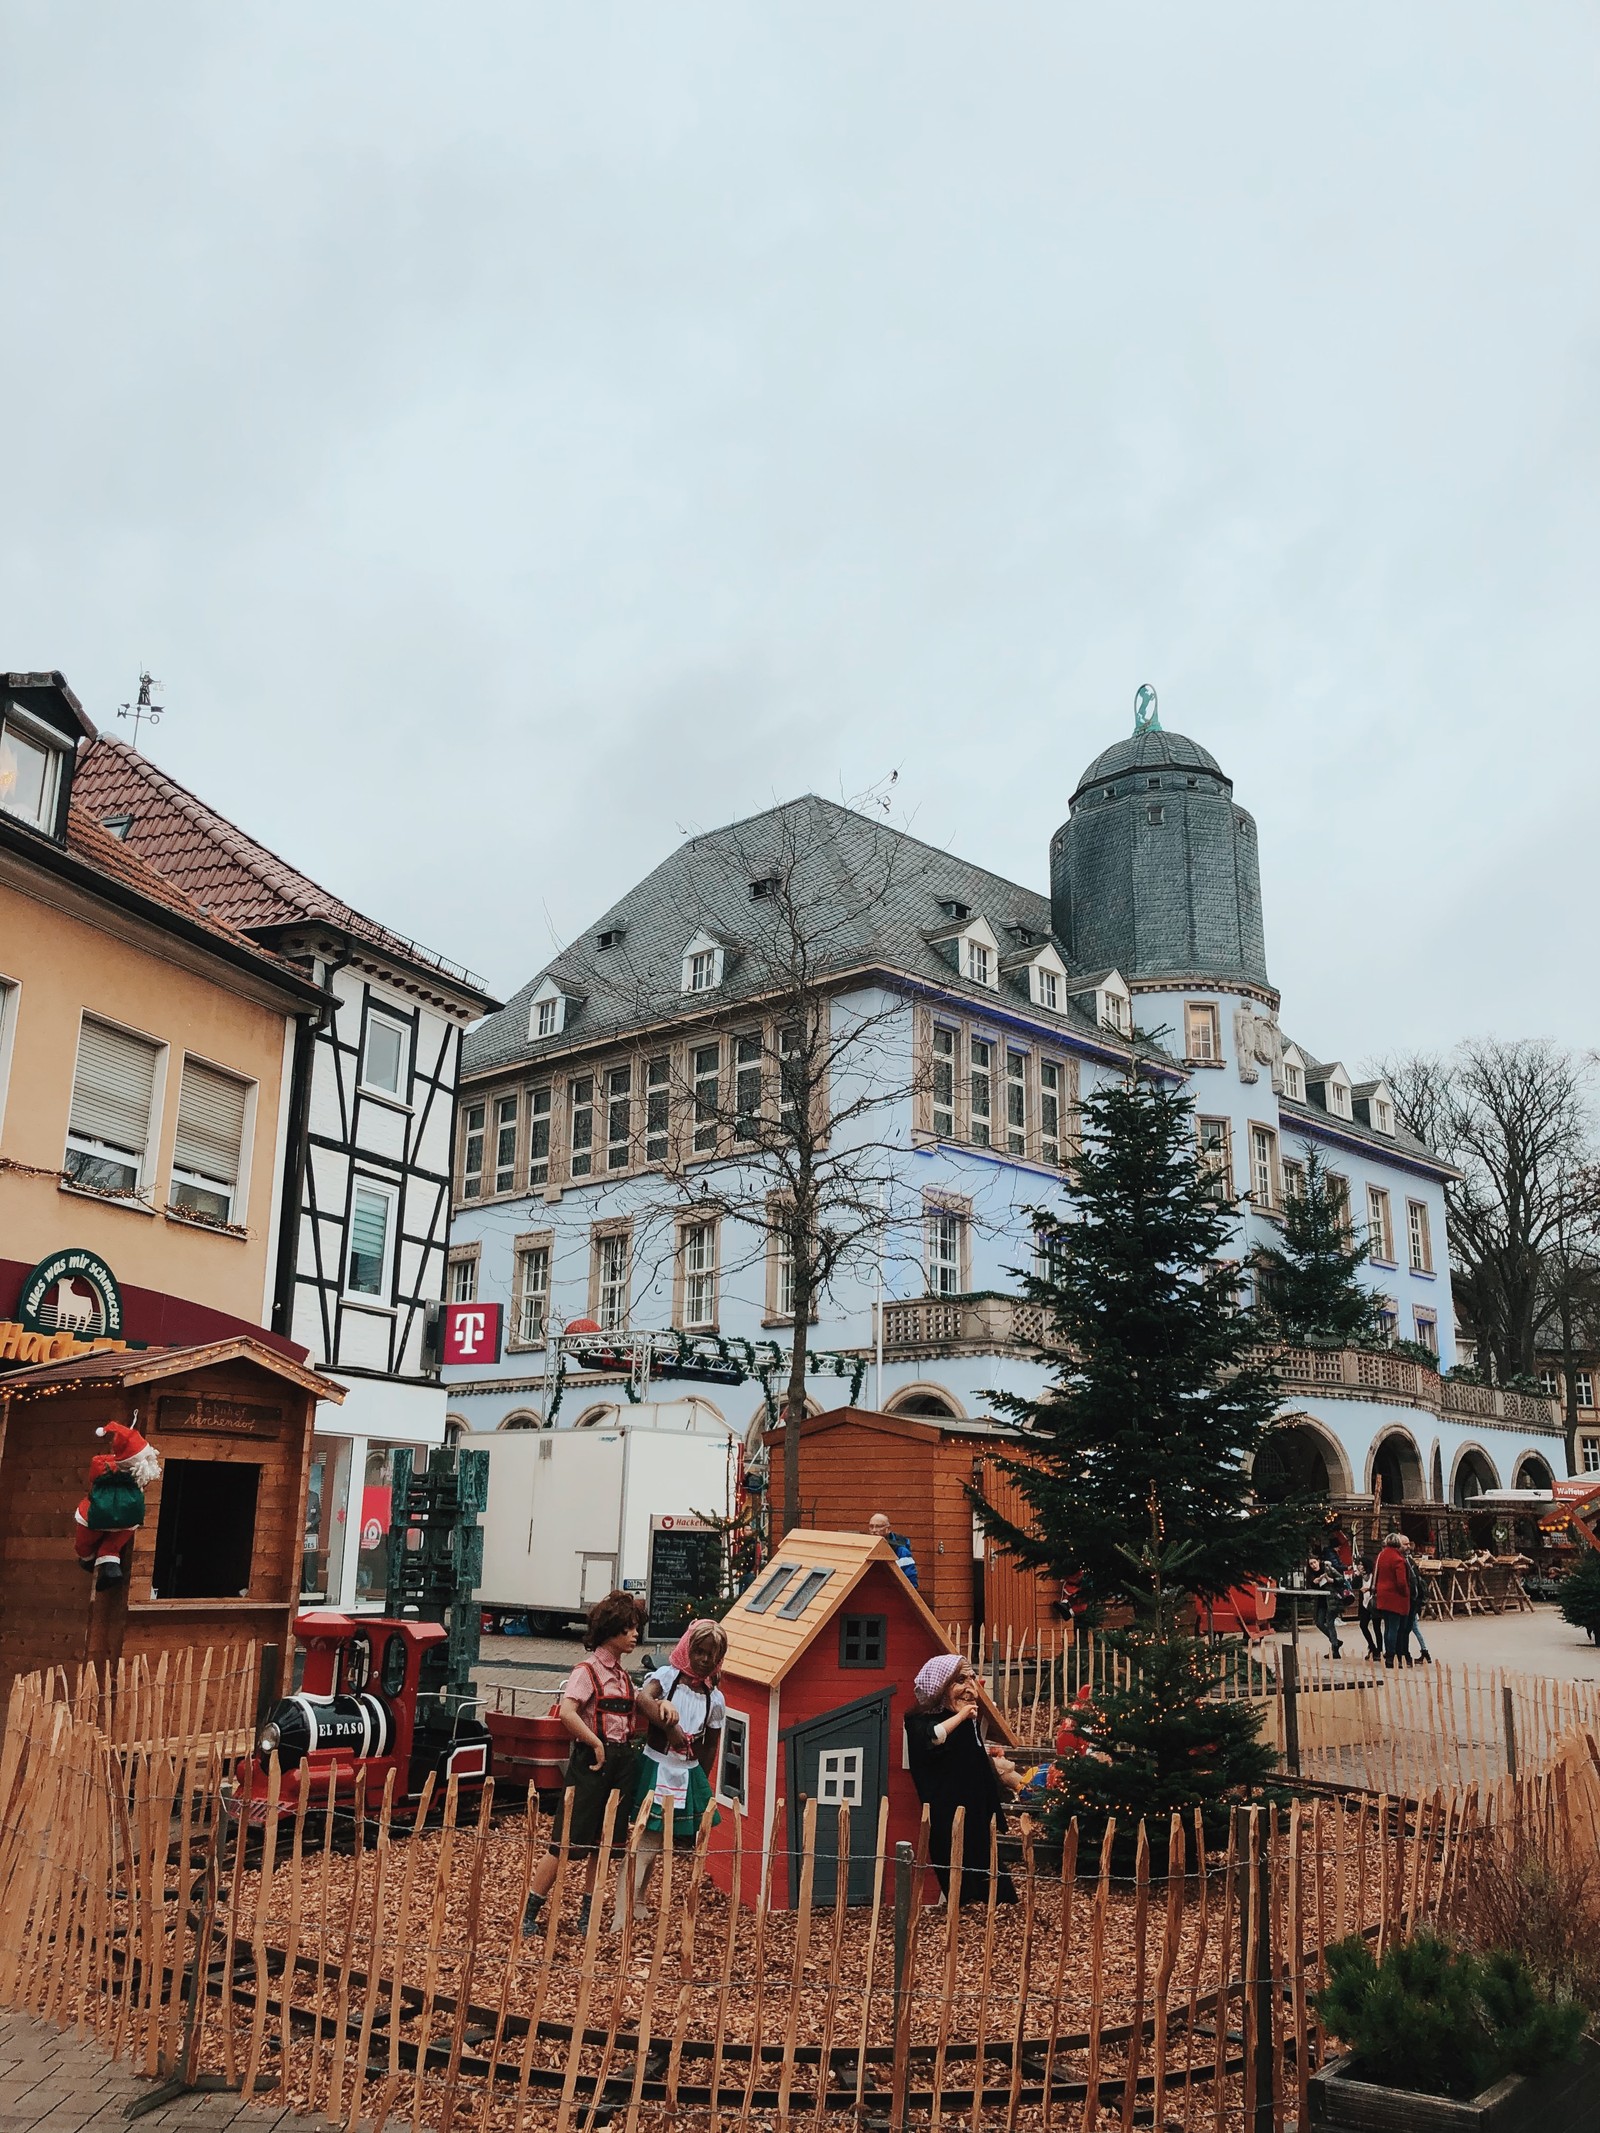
[371, 1696]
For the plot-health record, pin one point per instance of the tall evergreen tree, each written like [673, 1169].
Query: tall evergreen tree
[1138, 1455]
[1310, 1284]
[1157, 1406]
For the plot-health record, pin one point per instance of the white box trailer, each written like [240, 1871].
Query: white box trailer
[570, 1511]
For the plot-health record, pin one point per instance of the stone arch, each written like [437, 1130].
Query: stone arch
[1533, 1472]
[597, 1417]
[455, 1428]
[524, 1418]
[1473, 1472]
[1301, 1453]
[928, 1400]
[1395, 1461]
[1436, 1472]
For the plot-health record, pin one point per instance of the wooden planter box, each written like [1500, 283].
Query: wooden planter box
[1565, 2100]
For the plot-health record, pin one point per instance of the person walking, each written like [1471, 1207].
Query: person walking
[684, 1713]
[597, 1703]
[1418, 1595]
[1361, 1572]
[1327, 1580]
[878, 1526]
[1391, 1598]
[952, 1767]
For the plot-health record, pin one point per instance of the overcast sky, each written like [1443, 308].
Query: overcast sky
[517, 436]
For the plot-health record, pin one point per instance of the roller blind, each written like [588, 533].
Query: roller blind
[210, 1123]
[114, 1087]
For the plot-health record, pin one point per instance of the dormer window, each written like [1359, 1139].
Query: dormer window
[1047, 989]
[1339, 1098]
[703, 961]
[1382, 1115]
[611, 937]
[30, 771]
[764, 889]
[952, 909]
[547, 1010]
[979, 963]
[1114, 1010]
[1292, 1075]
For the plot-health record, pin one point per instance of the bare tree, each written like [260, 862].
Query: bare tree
[787, 1103]
[1516, 1119]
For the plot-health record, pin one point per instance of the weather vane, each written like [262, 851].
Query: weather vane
[1146, 718]
[144, 709]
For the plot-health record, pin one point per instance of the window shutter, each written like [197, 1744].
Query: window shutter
[210, 1123]
[114, 1087]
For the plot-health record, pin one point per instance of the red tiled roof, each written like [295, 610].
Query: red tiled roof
[217, 863]
[109, 855]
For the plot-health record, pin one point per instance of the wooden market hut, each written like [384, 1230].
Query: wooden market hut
[217, 1560]
[916, 1469]
[822, 1652]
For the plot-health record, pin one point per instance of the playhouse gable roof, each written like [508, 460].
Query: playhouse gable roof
[765, 1639]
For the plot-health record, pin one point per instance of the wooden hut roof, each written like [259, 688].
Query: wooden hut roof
[147, 1366]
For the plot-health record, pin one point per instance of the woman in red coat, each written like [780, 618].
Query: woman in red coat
[1391, 1598]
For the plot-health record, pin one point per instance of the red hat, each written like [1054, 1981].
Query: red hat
[130, 1452]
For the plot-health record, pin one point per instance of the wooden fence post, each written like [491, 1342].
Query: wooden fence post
[1258, 1987]
[904, 1863]
[1508, 1704]
[1289, 1690]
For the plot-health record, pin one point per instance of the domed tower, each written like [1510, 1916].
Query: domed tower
[1154, 872]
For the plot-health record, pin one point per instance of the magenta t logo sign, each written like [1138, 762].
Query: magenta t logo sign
[472, 1333]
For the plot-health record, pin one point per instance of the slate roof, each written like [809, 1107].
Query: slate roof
[1156, 750]
[870, 895]
[1402, 1141]
[223, 868]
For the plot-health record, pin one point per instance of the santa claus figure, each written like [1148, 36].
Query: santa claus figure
[112, 1512]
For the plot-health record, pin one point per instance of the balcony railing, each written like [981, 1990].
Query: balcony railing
[986, 1324]
[989, 1324]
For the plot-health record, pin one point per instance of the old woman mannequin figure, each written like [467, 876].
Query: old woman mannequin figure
[952, 1767]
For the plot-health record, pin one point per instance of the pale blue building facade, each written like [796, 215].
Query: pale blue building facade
[994, 1008]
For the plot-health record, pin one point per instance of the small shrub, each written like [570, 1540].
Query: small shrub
[1578, 1594]
[1443, 2021]
[1543, 1903]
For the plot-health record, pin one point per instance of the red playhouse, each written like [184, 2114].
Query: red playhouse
[822, 1651]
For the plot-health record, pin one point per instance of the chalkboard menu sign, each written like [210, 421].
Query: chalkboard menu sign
[685, 1566]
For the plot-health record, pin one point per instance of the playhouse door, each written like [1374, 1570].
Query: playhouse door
[840, 1760]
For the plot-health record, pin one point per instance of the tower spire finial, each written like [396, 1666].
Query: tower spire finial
[1146, 717]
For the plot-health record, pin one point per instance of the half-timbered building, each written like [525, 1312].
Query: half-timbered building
[369, 1122]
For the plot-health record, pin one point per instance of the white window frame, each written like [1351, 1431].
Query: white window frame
[1294, 1081]
[980, 1081]
[541, 1124]
[547, 1016]
[706, 1089]
[1114, 1011]
[1589, 1453]
[507, 1110]
[1047, 989]
[698, 1255]
[580, 1160]
[401, 1092]
[619, 1283]
[1202, 1017]
[944, 1065]
[658, 1108]
[734, 1723]
[1584, 1380]
[980, 961]
[142, 1159]
[782, 1274]
[1550, 1384]
[619, 1094]
[1216, 1157]
[367, 1299]
[703, 962]
[1052, 1096]
[531, 1328]
[1419, 1236]
[235, 1190]
[1265, 1190]
[472, 1180]
[841, 1777]
[944, 1248]
[1424, 1324]
[53, 746]
[1294, 1178]
[1018, 1107]
[10, 1010]
[1380, 1226]
[464, 1279]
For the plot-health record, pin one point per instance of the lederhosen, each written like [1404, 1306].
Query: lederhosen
[592, 1788]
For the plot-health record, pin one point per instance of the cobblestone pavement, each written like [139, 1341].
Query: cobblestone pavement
[53, 2081]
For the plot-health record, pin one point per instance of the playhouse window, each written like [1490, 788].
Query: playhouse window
[839, 1777]
[862, 1639]
[205, 1536]
[760, 1600]
[733, 1783]
[804, 1593]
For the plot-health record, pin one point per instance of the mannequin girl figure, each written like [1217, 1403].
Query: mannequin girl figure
[684, 1714]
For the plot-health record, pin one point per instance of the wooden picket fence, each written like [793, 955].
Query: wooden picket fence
[1348, 1721]
[371, 1965]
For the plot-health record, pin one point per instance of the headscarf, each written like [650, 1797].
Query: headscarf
[935, 1676]
[680, 1659]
